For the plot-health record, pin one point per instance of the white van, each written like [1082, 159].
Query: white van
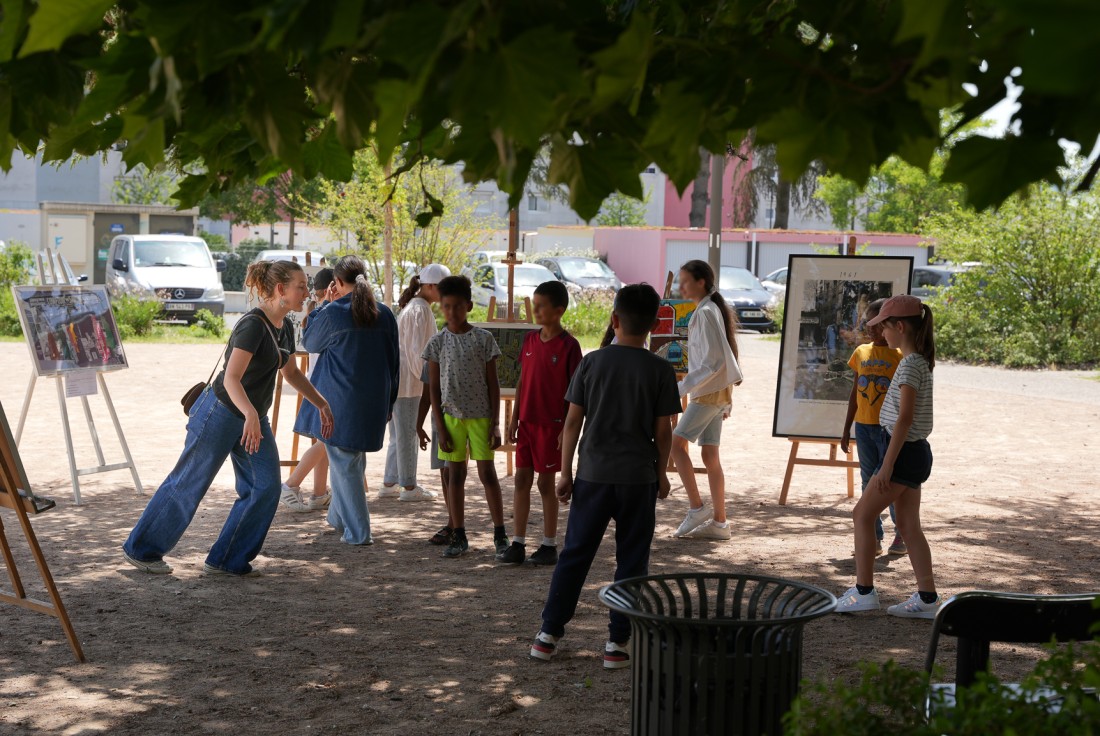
[177, 269]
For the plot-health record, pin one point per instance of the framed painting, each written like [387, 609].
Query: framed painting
[823, 322]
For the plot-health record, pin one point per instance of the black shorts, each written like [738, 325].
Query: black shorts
[914, 463]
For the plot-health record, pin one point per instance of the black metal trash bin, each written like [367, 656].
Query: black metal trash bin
[714, 654]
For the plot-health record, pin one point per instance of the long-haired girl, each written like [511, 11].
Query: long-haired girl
[712, 373]
[906, 420]
[357, 367]
[230, 420]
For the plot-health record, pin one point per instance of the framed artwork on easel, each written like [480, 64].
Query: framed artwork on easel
[69, 328]
[827, 297]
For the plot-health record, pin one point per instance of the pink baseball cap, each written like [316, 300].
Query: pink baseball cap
[902, 305]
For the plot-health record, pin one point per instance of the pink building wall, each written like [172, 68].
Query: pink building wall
[678, 208]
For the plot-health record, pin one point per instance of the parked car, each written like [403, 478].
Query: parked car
[297, 256]
[492, 280]
[745, 293]
[776, 281]
[930, 280]
[583, 273]
[176, 269]
[484, 257]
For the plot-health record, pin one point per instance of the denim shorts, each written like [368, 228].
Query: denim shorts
[914, 463]
[702, 422]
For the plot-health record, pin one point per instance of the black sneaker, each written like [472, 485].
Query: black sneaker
[514, 555]
[441, 537]
[502, 544]
[458, 546]
[544, 555]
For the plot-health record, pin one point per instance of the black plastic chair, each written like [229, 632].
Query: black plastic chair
[979, 617]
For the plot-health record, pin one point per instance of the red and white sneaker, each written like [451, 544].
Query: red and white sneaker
[545, 647]
[616, 656]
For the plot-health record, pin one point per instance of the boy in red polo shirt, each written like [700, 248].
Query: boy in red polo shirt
[548, 359]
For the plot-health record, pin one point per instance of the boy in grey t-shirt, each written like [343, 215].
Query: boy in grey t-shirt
[624, 396]
[462, 365]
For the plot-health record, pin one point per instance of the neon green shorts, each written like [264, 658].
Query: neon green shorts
[471, 432]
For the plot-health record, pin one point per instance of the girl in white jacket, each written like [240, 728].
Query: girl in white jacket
[415, 326]
[712, 373]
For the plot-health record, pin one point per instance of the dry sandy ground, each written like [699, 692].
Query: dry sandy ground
[392, 639]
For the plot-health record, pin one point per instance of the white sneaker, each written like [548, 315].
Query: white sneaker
[292, 500]
[915, 608]
[417, 494]
[319, 503]
[545, 647]
[853, 602]
[695, 518]
[385, 491]
[711, 530]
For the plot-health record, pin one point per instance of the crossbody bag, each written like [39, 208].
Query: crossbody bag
[195, 391]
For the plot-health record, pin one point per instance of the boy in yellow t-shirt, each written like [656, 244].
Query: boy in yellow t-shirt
[874, 364]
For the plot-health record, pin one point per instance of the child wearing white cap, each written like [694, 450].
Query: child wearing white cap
[415, 326]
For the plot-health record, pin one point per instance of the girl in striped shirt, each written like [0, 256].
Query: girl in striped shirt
[906, 420]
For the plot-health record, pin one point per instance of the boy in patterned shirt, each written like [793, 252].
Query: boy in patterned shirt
[462, 365]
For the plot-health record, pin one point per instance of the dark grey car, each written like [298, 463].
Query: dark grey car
[744, 292]
[584, 273]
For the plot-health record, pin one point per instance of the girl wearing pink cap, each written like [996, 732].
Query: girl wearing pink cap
[906, 420]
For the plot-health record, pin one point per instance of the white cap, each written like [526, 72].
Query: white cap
[433, 273]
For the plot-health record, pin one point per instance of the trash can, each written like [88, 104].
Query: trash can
[714, 654]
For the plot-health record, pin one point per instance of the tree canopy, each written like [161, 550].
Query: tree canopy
[243, 91]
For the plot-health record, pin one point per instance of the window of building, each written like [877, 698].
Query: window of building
[532, 202]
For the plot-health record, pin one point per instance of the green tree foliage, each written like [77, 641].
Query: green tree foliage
[355, 215]
[283, 197]
[244, 91]
[142, 185]
[895, 199]
[1035, 297]
[620, 210]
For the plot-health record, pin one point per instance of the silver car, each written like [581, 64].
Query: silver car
[492, 280]
[176, 269]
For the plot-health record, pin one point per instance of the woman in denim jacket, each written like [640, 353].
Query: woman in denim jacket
[358, 371]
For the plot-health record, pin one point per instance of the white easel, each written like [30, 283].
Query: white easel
[53, 271]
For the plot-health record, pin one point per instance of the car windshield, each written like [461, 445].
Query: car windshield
[584, 268]
[737, 279]
[171, 253]
[524, 276]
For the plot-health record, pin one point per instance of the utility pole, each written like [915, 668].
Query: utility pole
[714, 242]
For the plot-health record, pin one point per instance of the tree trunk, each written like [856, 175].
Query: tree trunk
[699, 198]
[290, 235]
[782, 205]
[387, 244]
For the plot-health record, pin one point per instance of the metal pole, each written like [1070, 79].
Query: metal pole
[717, 174]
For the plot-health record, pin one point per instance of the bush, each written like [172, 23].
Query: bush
[16, 262]
[237, 261]
[890, 699]
[1034, 298]
[136, 316]
[589, 312]
[208, 324]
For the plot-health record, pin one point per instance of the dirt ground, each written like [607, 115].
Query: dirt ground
[392, 639]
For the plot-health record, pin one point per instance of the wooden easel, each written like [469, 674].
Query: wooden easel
[683, 399]
[15, 494]
[832, 462]
[311, 269]
[303, 366]
[57, 274]
[508, 396]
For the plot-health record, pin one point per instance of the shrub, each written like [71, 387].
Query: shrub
[136, 313]
[589, 312]
[236, 262]
[1034, 300]
[208, 324]
[891, 699]
[16, 262]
